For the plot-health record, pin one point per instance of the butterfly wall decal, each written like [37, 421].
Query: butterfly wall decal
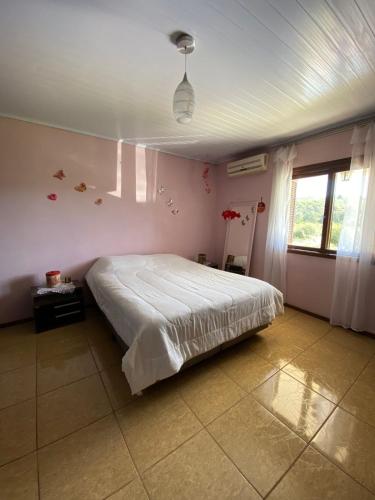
[81, 187]
[59, 175]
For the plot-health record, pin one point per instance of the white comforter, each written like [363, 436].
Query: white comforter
[168, 310]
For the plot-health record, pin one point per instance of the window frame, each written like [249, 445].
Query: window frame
[329, 168]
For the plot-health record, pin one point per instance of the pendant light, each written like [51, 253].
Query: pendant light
[184, 100]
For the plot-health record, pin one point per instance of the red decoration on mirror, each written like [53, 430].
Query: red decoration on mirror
[230, 214]
[261, 206]
[52, 196]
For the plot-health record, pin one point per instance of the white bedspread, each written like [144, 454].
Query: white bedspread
[168, 310]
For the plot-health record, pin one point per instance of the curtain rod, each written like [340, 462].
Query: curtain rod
[325, 132]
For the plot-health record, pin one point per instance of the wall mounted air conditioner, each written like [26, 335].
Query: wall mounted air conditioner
[250, 165]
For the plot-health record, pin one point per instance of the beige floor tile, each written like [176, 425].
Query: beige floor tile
[97, 329]
[107, 353]
[245, 367]
[133, 491]
[17, 355]
[313, 477]
[156, 424]
[301, 409]
[91, 463]
[23, 333]
[360, 399]
[363, 344]
[272, 348]
[294, 334]
[71, 407]
[17, 385]
[64, 369]
[116, 386]
[60, 341]
[288, 313]
[317, 326]
[350, 444]
[197, 470]
[327, 368]
[17, 431]
[258, 443]
[208, 391]
[19, 479]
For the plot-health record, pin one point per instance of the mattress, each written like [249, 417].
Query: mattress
[168, 310]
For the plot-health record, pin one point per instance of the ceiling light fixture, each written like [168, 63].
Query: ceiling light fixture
[184, 100]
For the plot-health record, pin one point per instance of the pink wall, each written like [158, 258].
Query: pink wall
[309, 279]
[69, 234]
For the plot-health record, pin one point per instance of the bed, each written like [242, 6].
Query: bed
[169, 310]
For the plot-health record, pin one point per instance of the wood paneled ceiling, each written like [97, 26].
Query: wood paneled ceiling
[263, 70]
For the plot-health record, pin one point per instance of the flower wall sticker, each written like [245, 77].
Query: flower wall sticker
[59, 175]
[52, 196]
[206, 184]
[98, 201]
[81, 187]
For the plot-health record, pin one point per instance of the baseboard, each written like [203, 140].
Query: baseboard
[318, 316]
[15, 322]
[314, 315]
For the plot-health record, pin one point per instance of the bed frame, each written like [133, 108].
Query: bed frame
[221, 347]
[200, 357]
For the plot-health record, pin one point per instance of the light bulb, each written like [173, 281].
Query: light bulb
[183, 101]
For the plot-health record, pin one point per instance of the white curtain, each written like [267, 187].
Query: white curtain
[353, 303]
[277, 233]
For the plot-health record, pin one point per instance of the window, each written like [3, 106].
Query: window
[317, 204]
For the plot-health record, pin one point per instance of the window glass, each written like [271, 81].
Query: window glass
[308, 198]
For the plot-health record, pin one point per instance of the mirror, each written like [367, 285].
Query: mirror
[239, 238]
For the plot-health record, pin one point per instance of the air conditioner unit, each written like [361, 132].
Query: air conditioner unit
[250, 165]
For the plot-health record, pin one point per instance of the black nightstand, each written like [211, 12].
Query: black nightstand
[212, 264]
[52, 310]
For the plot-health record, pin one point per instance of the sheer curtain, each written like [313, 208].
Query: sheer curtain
[353, 303]
[277, 233]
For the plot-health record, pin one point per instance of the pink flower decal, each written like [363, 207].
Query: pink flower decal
[52, 196]
[59, 175]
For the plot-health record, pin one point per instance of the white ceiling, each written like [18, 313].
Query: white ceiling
[263, 70]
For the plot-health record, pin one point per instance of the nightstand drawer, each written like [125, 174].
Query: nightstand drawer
[49, 317]
[68, 305]
[53, 310]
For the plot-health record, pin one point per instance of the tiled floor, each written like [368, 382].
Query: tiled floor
[288, 414]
